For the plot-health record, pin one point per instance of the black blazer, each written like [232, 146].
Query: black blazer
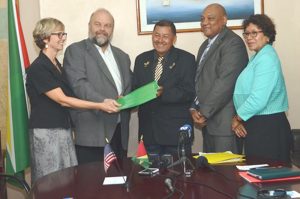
[161, 118]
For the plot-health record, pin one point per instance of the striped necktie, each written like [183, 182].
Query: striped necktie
[205, 51]
[158, 69]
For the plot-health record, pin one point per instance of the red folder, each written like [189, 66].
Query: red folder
[256, 180]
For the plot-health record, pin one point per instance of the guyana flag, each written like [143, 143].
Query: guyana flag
[17, 148]
[141, 157]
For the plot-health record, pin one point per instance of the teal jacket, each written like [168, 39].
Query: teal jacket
[260, 88]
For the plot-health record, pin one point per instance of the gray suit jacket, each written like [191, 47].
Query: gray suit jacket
[215, 80]
[91, 80]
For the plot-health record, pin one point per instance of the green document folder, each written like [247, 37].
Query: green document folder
[271, 173]
[139, 96]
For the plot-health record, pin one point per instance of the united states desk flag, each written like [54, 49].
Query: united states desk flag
[141, 156]
[109, 157]
[17, 148]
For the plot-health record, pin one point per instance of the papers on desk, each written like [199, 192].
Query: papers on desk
[222, 157]
[114, 180]
[248, 167]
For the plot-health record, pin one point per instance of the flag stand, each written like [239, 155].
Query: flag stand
[129, 179]
[121, 172]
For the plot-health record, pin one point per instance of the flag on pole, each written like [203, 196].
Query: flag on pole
[109, 157]
[17, 147]
[141, 157]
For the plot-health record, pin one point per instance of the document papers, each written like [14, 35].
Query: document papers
[139, 96]
[248, 167]
[114, 180]
[222, 157]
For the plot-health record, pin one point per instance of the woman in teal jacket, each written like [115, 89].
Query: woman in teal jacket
[260, 96]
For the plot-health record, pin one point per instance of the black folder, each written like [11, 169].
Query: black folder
[274, 172]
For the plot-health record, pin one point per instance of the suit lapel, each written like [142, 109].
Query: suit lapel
[101, 63]
[121, 69]
[169, 65]
[201, 51]
[148, 64]
[210, 52]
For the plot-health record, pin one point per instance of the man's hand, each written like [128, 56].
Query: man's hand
[198, 119]
[159, 91]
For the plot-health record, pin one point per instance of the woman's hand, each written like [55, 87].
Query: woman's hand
[238, 127]
[110, 106]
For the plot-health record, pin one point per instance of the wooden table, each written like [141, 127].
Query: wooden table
[85, 181]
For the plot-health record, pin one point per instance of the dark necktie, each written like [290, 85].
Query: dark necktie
[158, 69]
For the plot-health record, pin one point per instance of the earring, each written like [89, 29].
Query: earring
[46, 46]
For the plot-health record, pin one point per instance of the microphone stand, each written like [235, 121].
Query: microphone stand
[183, 159]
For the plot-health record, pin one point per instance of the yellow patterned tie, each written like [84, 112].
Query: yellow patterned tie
[158, 69]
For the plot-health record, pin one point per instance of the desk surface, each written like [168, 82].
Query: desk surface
[85, 182]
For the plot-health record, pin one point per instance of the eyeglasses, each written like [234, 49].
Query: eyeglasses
[252, 34]
[59, 34]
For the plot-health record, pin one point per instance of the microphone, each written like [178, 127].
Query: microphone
[185, 133]
[169, 184]
[202, 162]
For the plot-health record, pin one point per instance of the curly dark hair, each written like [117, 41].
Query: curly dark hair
[263, 22]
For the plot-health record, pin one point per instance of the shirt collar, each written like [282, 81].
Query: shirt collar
[166, 56]
[107, 50]
[212, 40]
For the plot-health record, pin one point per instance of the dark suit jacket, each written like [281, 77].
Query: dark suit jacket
[91, 80]
[161, 118]
[215, 80]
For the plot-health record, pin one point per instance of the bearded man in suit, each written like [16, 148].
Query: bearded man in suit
[220, 60]
[97, 71]
[161, 118]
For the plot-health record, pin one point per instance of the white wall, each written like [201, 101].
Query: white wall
[77, 14]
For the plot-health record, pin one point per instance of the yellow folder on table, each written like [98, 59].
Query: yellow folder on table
[222, 157]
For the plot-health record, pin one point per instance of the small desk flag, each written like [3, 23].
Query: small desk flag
[109, 157]
[141, 157]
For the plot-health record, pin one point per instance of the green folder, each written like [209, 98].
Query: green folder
[139, 96]
[266, 173]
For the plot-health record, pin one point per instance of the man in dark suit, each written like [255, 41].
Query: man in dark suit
[220, 60]
[97, 71]
[161, 118]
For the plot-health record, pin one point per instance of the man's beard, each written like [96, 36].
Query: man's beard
[100, 41]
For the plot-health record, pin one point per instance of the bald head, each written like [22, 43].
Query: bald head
[102, 11]
[218, 8]
[213, 20]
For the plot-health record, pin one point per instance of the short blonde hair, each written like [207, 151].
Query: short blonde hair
[44, 28]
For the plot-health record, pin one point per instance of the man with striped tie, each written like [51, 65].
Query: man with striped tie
[174, 70]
